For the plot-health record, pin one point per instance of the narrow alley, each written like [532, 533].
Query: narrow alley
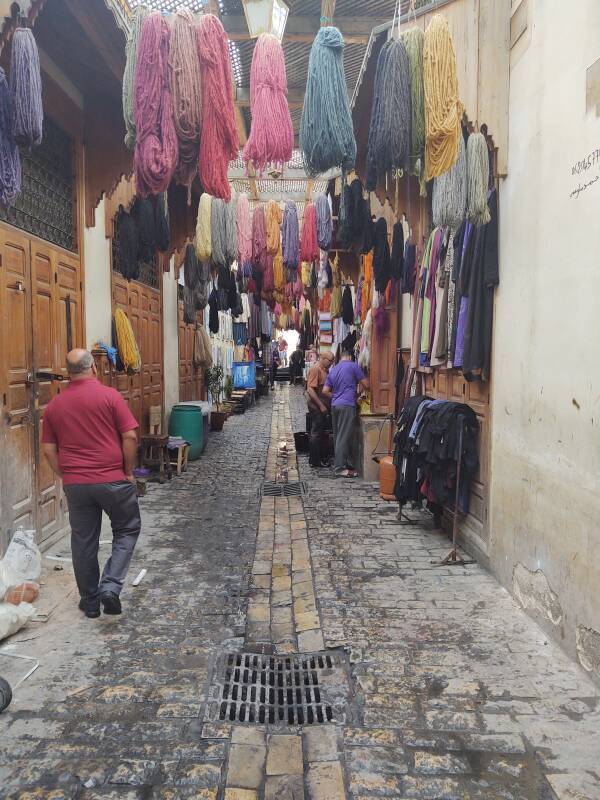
[418, 681]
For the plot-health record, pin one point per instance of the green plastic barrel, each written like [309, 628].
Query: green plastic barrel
[187, 421]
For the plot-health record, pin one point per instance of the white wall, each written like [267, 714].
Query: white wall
[545, 458]
[98, 300]
[171, 339]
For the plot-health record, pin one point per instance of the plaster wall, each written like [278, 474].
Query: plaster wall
[545, 450]
[98, 300]
[170, 340]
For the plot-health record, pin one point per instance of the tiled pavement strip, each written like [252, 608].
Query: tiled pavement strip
[456, 694]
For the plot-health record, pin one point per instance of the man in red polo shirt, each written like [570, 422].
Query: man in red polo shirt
[90, 441]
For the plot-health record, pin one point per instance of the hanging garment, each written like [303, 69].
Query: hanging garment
[347, 306]
[213, 310]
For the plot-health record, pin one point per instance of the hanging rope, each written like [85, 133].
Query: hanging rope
[203, 228]
[274, 220]
[324, 221]
[443, 109]
[26, 89]
[140, 14]
[449, 200]
[413, 39]
[478, 177]
[218, 232]
[259, 239]
[244, 230]
[155, 156]
[10, 159]
[309, 245]
[326, 134]
[290, 237]
[161, 223]
[126, 343]
[186, 90]
[191, 271]
[219, 142]
[271, 137]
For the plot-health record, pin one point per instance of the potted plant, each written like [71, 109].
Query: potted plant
[214, 384]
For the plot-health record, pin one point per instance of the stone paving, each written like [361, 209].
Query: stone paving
[453, 692]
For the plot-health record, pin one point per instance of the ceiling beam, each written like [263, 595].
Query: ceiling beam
[295, 96]
[303, 28]
[94, 30]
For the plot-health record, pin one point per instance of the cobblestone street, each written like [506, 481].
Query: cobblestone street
[428, 682]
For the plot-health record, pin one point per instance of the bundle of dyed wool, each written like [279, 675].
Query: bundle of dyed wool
[186, 90]
[156, 150]
[10, 160]
[381, 256]
[380, 320]
[326, 134]
[191, 271]
[269, 274]
[231, 242]
[161, 222]
[324, 221]
[203, 228]
[127, 234]
[443, 109]
[244, 230]
[259, 239]
[449, 199]
[290, 237]
[271, 137]
[397, 257]
[356, 212]
[140, 14]
[26, 89]
[305, 272]
[413, 39]
[274, 220]
[278, 271]
[219, 142]
[218, 232]
[309, 245]
[143, 211]
[389, 133]
[344, 230]
[478, 177]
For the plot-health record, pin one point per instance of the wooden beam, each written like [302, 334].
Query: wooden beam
[302, 38]
[92, 26]
[309, 188]
[240, 123]
[295, 96]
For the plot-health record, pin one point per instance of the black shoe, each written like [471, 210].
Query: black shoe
[91, 610]
[111, 603]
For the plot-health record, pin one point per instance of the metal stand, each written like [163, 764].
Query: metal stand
[453, 558]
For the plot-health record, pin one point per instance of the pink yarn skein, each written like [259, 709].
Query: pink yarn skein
[309, 244]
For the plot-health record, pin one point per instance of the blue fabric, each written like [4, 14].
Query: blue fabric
[244, 375]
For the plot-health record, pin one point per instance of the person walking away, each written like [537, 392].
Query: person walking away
[89, 439]
[274, 366]
[341, 386]
[296, 365]
[317, 406]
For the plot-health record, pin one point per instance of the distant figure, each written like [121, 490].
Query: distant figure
[318, 406]
[89, 439]
[296, 365]
[274, 366]
[283, 347]
[341, 386]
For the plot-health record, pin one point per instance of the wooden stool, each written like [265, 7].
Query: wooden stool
[178, 455]
[154, 446]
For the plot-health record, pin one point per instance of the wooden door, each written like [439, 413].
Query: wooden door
[383, 365]
[191, 380]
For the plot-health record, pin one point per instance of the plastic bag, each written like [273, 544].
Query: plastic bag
[12, 618]
[23, 557]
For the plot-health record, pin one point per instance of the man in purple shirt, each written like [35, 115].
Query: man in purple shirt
[342, 383]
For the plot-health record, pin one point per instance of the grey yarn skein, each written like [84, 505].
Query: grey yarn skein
[231, 237]
[26, 89]
[449, 200]
[140, 14]
[10, 158]
[218, 231]
[478, 177]
[324, 222]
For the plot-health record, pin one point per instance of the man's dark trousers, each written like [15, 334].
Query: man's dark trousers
[86, 502]
[317, 426]
[344, 424]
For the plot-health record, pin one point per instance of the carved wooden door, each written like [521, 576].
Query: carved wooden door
[191, 380]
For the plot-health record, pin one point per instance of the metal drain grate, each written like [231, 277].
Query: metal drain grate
[277, 690]
[292, 489]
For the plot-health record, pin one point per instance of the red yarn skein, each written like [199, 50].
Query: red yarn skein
[219, 141]
[309, 243]
[156, 150]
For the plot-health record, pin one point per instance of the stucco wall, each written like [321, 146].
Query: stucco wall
[545, 457]
[171, 340]
[98, 301]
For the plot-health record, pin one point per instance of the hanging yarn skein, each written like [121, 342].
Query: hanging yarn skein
[219, 141]
[259, 239]
[413, 39]
[143, 213]
[324, 221]
[139, 15]
[274, 220]
[375, 124]
[271, 137]
[156, 150]
[191, 270]
[244, 230]
[443, 109]
[478, 177]
[26, 89]
[10, 159]
[186, 90]
[326, 133]
[231, 241]
[203, 228]
[127, 234]
[449, 200]
[290, 237]
[397, 256]
[309, 245]
[218, 232]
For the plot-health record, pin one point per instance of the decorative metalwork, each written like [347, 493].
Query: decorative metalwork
[47, 203]
[148, 270]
